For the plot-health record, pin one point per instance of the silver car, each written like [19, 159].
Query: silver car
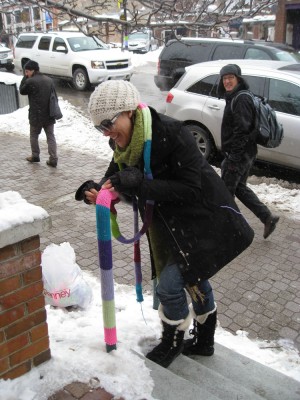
[194, 100]
[142, 42]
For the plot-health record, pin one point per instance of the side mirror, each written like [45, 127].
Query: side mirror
[61, 49]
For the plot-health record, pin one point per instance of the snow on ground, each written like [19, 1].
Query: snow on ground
[79, 353]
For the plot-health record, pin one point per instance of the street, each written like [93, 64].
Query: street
[142, 79]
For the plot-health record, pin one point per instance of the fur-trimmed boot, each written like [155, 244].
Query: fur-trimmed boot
[202, 343]
[172, 340]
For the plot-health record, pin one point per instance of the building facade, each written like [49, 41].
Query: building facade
[288, 23]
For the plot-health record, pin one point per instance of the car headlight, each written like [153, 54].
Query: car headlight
[97, 64]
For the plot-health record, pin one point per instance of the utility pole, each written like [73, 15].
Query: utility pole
[123, 17]
[125, 26]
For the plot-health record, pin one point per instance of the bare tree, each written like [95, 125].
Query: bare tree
[200, 16]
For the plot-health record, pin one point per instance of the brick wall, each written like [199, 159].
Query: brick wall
[24, 340]
[280, 27]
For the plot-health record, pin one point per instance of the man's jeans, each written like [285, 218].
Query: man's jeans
[34, 141]
[172, 295]
[236, 182]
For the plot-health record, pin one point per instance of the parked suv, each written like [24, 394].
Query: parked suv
[178, 54]
[194, 101]
[74, 56]
[6, 58]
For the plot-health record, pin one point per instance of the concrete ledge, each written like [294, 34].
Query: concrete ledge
[23, 231]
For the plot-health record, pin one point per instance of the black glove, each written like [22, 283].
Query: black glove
[127, 181]
[86, 186]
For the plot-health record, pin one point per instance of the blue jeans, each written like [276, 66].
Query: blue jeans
[173, 298]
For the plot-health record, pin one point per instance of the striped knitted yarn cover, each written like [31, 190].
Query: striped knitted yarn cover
[106, 219]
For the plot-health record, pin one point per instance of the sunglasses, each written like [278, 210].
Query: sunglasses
[107, 124]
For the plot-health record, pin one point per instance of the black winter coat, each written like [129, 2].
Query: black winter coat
[237, 126]
[38, 89]
[205, 227]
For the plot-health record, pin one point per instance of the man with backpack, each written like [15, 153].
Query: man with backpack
[239, 145]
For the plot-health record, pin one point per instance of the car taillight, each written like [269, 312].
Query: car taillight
[158, 67]
[169, 98]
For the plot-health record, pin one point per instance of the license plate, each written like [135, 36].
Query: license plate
[114, 78]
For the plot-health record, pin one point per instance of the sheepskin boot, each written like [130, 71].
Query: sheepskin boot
[172, 340]
[202, 343]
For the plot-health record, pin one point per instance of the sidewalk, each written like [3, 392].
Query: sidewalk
[259, 292]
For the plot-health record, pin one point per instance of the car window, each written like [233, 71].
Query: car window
[86, 43]
[138, 35]
[207, 86]
[44, 43]
[227, 51]
[257, 54]
[256, 84]
[284, 96]
[187, 51]
[58, 42]
[26, 42]
[287, 56]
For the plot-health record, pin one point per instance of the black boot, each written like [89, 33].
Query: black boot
[171, 342]
[202, 343]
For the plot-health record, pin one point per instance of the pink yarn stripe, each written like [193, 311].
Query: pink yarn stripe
[110, 336]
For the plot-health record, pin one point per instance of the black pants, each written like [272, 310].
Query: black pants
[236, 182]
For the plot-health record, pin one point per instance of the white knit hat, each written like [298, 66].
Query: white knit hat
[110, 98]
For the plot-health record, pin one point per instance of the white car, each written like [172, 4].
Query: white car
[6, 58]
[194, 100]
[74, 56]
[142, 42]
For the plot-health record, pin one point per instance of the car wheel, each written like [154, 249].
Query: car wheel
[80, 79]
[10, 67]
[204, 141]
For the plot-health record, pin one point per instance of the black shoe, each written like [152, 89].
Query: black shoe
[202, 344]
[164, 355]
[270, 225]
[170, 347]
[33, 159]
[52, 163]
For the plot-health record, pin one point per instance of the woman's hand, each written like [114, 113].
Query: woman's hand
[107, 185]
[91, 195]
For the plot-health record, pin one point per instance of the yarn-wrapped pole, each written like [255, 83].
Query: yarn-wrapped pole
[103, 204]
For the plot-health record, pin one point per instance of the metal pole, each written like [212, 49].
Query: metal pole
[125, 27]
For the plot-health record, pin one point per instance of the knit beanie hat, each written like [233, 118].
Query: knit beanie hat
[231, 69]
[111, 98]
[32, 66]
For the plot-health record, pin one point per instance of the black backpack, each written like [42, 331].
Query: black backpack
[268, 131]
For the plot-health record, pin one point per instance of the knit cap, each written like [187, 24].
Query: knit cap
[231, 69]
[111, 98]
[32, 66]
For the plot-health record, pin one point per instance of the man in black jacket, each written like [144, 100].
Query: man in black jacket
[238, 145]
[38, 88]
[196, 228]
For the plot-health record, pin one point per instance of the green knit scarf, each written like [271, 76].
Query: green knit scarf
[133, 153]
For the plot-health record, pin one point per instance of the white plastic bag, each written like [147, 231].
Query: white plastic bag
[63, 281]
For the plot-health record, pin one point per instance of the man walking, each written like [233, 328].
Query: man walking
[38, 88]
[238, 145]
